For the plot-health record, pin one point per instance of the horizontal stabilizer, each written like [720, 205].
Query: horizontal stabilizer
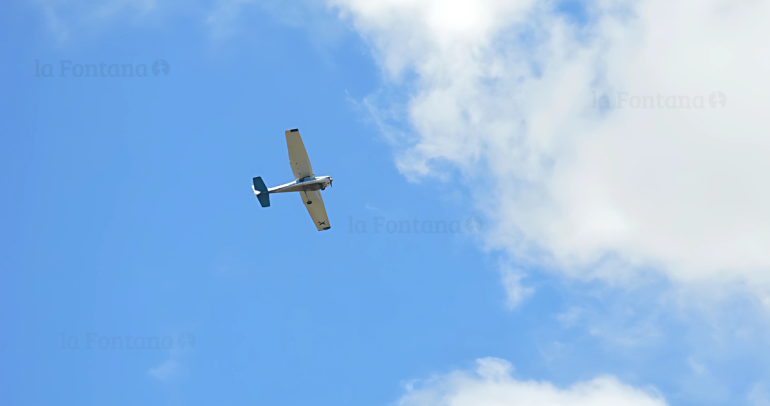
[261, 191]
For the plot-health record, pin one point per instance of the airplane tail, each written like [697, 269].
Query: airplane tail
[261, 191]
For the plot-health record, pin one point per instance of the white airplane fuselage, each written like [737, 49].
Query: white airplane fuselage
[301, 185]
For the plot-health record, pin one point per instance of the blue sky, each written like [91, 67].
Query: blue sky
[127, 210]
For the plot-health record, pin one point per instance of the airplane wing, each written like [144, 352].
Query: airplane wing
[300, 163]
[315, 206]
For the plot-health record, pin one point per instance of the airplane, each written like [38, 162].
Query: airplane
[305, 182]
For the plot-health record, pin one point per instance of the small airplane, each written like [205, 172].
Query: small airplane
[305, 182]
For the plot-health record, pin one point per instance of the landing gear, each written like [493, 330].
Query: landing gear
[309, 202]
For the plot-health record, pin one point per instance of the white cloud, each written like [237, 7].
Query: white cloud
[63, 15]
[697, 367]
[222, 17]
[164, 370]
[492, 385]
[516, 293]
[571, 317]
[505, 89]
[759, 395]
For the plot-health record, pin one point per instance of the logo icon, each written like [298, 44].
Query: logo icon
[186, 339]
[473, 224]
[717, 98]
[159, 66]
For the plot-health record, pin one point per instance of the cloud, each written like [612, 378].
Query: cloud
[165, 370]
[759, 395]
[222, 17]
[625, 319]
[492, 385]
[516, 293]
[697, 367]
[571, 317]
[63, 15]
[545, 114]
